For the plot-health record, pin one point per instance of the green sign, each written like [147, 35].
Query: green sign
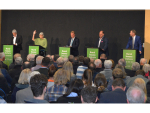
[130, 57]
[34, 50]
[64, 52]
[92, 53]
[8, 51]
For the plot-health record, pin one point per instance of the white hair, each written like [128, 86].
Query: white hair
[146, 68]
[2, 54]
[41, 33]
[135, 66]
[18, 61]
[122, 62]
[97, 62]
[60, 61]
[39, 60]
[14, 31]
[107, 64]
[32, 74]
[143, 60]
[30, 57]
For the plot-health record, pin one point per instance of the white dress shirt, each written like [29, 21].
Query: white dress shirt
[14, 40]
[99, 42]
[133, 39]
[72, 41]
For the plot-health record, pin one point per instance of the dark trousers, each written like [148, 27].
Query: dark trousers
[138, 56]
[16, 50]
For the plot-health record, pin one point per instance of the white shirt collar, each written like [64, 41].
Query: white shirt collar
[134, 37]
[15, 36]
[102, 37]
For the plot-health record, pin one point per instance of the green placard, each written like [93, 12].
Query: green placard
[130, 57]
[34, 50]
[64, 52]
[92, 53]
[8, 51]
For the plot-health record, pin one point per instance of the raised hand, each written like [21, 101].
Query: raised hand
[34, 32]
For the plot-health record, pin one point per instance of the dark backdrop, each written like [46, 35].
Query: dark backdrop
[57, 25]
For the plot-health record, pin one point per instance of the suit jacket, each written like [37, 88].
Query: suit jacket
[130, 73]
[4, 85]
[137, 43]
[103, 45]
[107, 73]
[43, 71]
[4, 65]
[116, 96]
[75, 45]
[18, 41]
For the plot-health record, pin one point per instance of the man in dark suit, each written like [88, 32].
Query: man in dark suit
[134, 42]
[2, 58]
[102, 44]
[73, 43]
[16, 41]
[117, 95]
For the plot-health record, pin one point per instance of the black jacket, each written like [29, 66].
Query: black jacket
[43, 71]
[64, 99]
[4, 85]
[18, 41]
[4, 66]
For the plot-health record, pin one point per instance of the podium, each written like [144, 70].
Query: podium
[130, 56]
[93, 53]
[8, 51]
[64, 52]
[37, 49]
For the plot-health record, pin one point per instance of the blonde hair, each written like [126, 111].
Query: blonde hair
[72, 32]
[61, 77]
[23, 78]
[146, 68]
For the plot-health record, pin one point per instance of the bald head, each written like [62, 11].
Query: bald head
[98, 63]
[143, 61]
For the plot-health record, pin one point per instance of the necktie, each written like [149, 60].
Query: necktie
[99, 43]
[71, 42]
[132, 43]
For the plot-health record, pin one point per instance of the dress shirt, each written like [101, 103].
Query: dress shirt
[14, 39]
[72, 39]
[133, 41]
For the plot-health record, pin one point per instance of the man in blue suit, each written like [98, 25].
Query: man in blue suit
[102, 44]
[73, 43]
[134, 42]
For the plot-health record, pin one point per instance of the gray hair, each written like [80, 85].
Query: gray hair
[65, 59]
[135, 95]
[39, 59]
[71, 58]
[97, 62]
[60, 61]
[2, 54]
[18, 61]
[30, 57]
[92, 60]
[32, 74]
[143, 60]
[107, 64]
[122, 62]
[135, 66]
[14, 31]
[41, 33]
[146, 68]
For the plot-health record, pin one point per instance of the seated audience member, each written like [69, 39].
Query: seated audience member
[44, 66]
[2, 58]
[146, 68]
[51, 72]
[11, 66]
[22, 83]
[5, 74]
[38, 87]
[117, 95]
[73, 93]
[91, 66]
[89, 95]
[138, 74]
[31, 59]
[56, 56]
[60, 62]
[113, 64]
[59, 88]
[38, 63]
[148, 91]
[26, 93]
[51, 58]
[75, 64]
[80, 69]
[107, 71]
[98, 67]
[135, 95]
[26, 65]
[101, 84]
[92, 60]
[142, 62]
[135, 67]
[103, 57]
[65, 59]
[87, 78]
[81, 58]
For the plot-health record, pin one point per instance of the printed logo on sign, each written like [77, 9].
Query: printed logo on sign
[64, 51]
[8, 48]
[33, 49]
[92, 52]
[128, 53]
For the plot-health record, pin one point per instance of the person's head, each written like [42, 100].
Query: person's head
[45, 62]
[103, 56]
[98, 63]
[89, 94]
[26, 65]
[101, 34]
[76, 59]
[92, 60]
[56, 56]
[101, 83]
[18, 61]
[122, 68]
[146, 68]
[118, 83]
[113, 63]
[65, 59]
[52, 70]
[60, 62]
[139, 72]
[61, 77]
[38, 85]
[14, 32]
[86, 61]
[71, 58]
[41, 35]
[87, 77]
[107, 64]
[122, 62]
[143, 61]
[24, 75]
[81, 58]
[30, 57]
[17, 55]
[75, 86]
[135, 95]
[132, 33]
[100, 75]
[72, 34]
[32, 74]
[39, 60]
[135, 66]
[117, 73]
[91, 66]
[2, 56]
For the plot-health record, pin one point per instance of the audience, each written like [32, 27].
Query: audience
[38, 63]
[142, 62]
[113, 64]
[135, 67]
[81, 58]
[148, 91]
[91, 66]
[92, 60]
[11, 66]
[26, 65]
[75, 64]
[146, 68]
[2, 59]
[103, 57]
[60, 62]
[56, 56]
[31, 59]
[65, 59]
